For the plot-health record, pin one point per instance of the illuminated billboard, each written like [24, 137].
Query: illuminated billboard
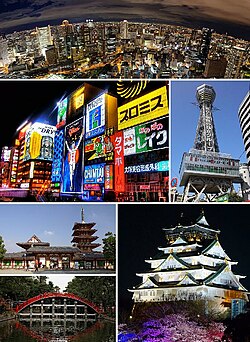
[73, 157]
[109, 177]
[62, 113]
[148, 167]
[146, 137]
[22, 131]
[76, 102]
[119, 162]
[39, 142]
[101, 146]
[94, 148]
[5, 156]
[95, 117]
[145, 108]
[94, 174]
[56, 172]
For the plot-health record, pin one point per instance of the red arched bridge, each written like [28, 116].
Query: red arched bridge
[54, 295]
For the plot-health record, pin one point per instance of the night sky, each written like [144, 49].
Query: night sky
[33, 99]
[222, 15]
[29, 99]
[140, 233]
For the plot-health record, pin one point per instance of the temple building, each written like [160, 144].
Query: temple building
[192, 266]
[78, 256]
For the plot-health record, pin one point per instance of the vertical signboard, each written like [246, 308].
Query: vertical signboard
[62, 113]
[56, 173]
[39, 142]
[119, 162]
[95, 117]
[109, 177]
[73, 157]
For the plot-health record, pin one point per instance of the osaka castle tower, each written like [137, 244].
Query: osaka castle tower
[83, 235]
[192, 266]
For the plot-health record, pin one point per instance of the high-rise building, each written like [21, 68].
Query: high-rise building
[215, 67]
[44, 37]
[236, 58]
[192, 266]
[244, 118]
[124, 29]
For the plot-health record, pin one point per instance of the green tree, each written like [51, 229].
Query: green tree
[99, 290]
[2, 249]
[109, 247]
[22, 288]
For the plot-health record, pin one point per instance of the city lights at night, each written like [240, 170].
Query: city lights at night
[96, 145]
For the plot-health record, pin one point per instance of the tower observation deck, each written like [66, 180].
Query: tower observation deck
[205, 172]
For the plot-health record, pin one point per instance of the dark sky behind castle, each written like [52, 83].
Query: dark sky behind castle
[141, 232]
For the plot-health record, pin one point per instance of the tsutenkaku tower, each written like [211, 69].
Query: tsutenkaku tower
[206, 174]
[206, 139]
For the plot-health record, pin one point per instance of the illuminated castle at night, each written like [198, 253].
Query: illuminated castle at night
[192, 266]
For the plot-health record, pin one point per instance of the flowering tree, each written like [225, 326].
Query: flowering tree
[174, 328]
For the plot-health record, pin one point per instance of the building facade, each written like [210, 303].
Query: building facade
[192, 266]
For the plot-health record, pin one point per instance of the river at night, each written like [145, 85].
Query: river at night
[59, 331]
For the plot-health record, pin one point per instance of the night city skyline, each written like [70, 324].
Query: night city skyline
[223, 16]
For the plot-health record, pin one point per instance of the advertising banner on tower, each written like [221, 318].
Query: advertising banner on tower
[39, 142]
[75, 105]
[95, 117]
[149, 136]
[73, 157]
[62, 113]
[119, 162]
[145, 108]
[57, 165]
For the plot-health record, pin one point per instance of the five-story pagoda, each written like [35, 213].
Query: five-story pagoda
[83, 235]
[192, 266]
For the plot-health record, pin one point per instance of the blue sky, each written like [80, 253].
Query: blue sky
[184, 117]
[52, 222]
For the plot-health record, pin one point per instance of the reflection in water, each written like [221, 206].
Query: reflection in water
[57, 331]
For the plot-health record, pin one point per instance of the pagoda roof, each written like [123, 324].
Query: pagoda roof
[201, 225]
[80, 238]
[83, 225]
[32, 241]
[89, 256]
[180, 269]
[224, 269]
[188, 279]
[179, 241]
[17, 256]
[170, 284]
[53, 249]
[80, 231]
[212, 249]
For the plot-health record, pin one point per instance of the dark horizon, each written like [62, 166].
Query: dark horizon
[222, 28]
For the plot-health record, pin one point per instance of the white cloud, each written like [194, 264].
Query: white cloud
[48, 232]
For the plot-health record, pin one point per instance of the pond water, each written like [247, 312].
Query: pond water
[57, 331]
